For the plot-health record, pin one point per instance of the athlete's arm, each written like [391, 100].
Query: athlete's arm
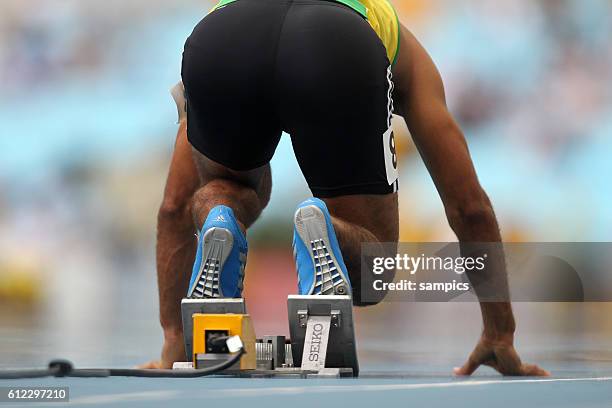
[176, 245]
[420, 99]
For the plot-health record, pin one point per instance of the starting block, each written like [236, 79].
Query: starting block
[190, 307]
[205, 320]
[322, 338]
[322, 333]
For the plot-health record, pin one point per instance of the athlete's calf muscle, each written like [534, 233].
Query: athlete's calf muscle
[363, 219]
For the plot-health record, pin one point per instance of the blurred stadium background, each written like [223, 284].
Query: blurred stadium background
[87, 128]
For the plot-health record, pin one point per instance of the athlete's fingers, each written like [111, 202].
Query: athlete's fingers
[469, 367]
[151, 365]
[480, 355]
[172, 351]
[475, 360]
[508, 361]
[532, 370]
[492, 363]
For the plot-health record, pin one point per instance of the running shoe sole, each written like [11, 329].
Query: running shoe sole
[217, 244]
[311, 227]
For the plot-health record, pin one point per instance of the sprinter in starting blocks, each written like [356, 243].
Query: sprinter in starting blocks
[215, 326]
[237, 95]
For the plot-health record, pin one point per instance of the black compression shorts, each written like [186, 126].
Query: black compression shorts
[312, 68]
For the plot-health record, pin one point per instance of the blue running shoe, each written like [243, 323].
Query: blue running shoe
[320, 267]
[218, 271]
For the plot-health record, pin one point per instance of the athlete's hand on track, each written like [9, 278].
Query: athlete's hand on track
[173, 350]
[501, 355]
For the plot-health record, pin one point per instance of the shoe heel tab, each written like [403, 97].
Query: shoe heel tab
[220, 210]
[313, 201]
[226, 214]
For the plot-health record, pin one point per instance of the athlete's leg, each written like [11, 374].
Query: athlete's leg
[234, 130]
[360, 219]
[328, 239]
[226, 205]
[232, 124]
[337, 106]
[246, 192]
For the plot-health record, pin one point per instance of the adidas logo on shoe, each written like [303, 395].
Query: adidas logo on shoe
[220, 218]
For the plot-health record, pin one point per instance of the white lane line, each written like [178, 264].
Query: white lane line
[322, 389]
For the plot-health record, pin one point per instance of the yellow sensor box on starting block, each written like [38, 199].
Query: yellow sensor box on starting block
[208, 327]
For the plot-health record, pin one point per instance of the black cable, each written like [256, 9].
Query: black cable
[57, 368]
[134, 372]
[64, 368]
